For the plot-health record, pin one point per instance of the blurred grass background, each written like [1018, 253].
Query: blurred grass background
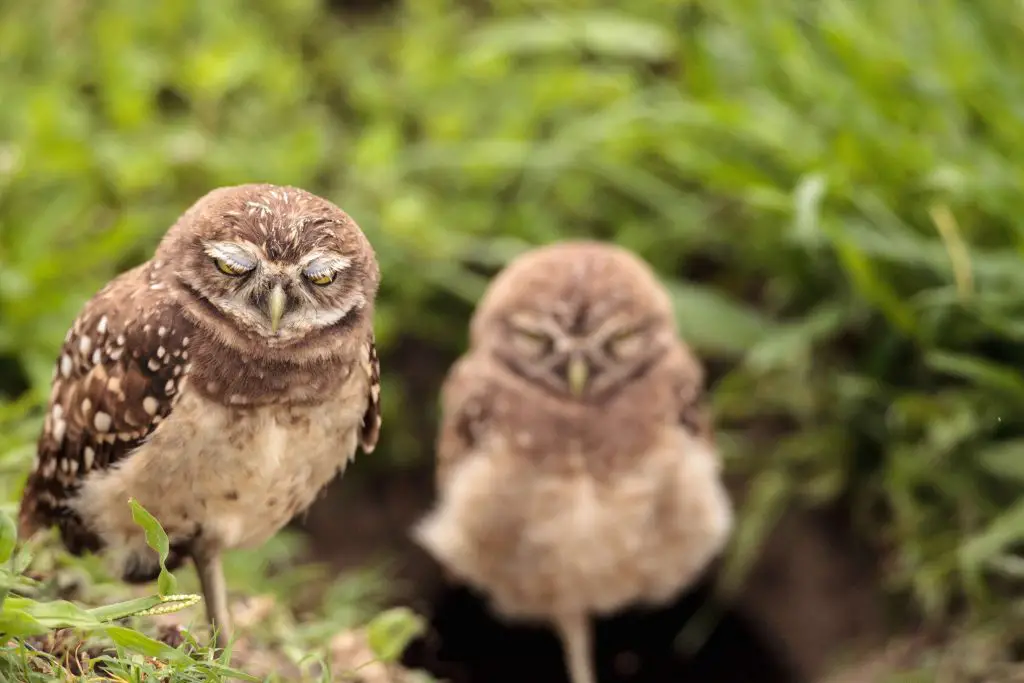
[832, 190]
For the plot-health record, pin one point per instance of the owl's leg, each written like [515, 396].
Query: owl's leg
[574, 631]
[215, 594]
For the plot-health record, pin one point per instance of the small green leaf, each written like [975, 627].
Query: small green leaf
[983, 373]
[157, 540]
[8, 536]
[391, 631]
[1005, 460]
[609, 35]
[807, 199]
[1002, 532]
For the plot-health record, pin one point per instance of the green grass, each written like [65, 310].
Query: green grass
[45, 637]
[831, 190]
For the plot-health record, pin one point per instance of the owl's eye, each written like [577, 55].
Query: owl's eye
[626, 344]
[230, 267]
[530, 342]
[321, 278]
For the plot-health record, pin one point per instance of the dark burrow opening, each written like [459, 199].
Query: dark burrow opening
[467, 644]
[811, 595]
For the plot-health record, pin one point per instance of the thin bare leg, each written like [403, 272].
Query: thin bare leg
[215, 594]
[574, 630]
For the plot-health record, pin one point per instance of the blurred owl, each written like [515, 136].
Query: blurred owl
[222, 384]
[576, 464]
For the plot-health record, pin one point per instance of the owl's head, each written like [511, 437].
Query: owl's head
[580, 319]
[278, 264]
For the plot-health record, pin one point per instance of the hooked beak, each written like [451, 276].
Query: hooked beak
[275, 307]
[577, 373]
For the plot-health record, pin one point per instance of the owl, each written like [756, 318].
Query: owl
[576, 465]
[222, 384]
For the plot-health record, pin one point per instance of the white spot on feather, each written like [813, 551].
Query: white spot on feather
[149, 404]
[101, 421]
[59, 428]
[88, 457]
[101, 326]
[65, 365]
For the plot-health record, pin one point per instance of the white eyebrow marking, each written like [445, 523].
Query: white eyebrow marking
[243, 254]
[324, 261]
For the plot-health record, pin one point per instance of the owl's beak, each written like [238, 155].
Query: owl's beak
[577, 372]
[275, 307]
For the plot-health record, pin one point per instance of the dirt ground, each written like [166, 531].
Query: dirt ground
[809, 602]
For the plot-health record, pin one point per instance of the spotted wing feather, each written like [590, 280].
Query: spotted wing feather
[119, 373]
[370, 432]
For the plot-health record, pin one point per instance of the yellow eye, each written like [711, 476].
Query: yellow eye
[230, 268]
[321, 278]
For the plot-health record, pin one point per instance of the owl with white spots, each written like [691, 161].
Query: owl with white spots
[223, 384]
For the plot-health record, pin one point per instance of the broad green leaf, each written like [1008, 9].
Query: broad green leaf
[57, 613]
[19, 624]
[714, 323]
[143, 644]
[157, 540]
[391, 631]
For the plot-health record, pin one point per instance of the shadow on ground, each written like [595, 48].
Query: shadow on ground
[468, 645]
